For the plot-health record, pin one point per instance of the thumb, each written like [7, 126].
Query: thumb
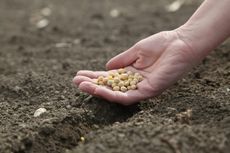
[123, 60]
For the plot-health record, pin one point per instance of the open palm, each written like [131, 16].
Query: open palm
[161, 59]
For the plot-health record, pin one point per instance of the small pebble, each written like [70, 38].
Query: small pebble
[82, 139]
[114, 13]
[42, 23]
[39, 111]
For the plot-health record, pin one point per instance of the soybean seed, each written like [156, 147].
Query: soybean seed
[116, 80]
[110, 82]
[121, 70]
[116, 88]
[100, 78]
[121, 83]
[123, 89]
[133, 87]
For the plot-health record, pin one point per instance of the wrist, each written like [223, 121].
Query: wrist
[198, 41]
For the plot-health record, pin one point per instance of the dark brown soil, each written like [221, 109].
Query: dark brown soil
[191, 117]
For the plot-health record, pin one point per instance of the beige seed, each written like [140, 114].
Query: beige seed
[116, 74]
[97, 82]
[114, 84]
[121, 83]
[100, 83]
[133, 83]
[123, 89]
[133, 87]
[124, 76]
[126, 83]
[140, 78]
[100, 78]
[116, 80]
[130, 77]
[111, 74]
[116, 88]
[110, 82]
[121, 70]
[129, 87]
[105, 80]
[110, 77]
[130, 73]
[136, 80]
[130, 80]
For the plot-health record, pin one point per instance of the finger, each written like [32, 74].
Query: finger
[78, 79]
[92, 74]
[122, 60]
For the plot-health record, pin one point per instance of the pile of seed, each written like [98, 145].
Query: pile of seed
[120, 80]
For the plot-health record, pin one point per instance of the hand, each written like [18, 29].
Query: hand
[161, 59]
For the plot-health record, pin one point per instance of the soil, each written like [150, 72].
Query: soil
[37, 67]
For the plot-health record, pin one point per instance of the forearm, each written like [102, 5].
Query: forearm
[208, 27]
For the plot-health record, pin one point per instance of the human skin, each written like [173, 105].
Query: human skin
[165, 57]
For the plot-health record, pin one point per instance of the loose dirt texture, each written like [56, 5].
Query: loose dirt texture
[36, 71]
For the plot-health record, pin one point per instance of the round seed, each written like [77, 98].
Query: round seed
[116, 74]
[140, 78]
[123, 89]
[126, 83]
[111, 74]
[131, 77]
[116, 88]
[124, 76]
[105, 80]
[130, 73]
[97, 82]
[116, 80]
[121, 70]
[100, 82]
[100, 78]
[133, 83]
[129, 87]
[110, 82]
[114, 84]
[136, 80]
[133, 87]
[121, 83]
[110, 77]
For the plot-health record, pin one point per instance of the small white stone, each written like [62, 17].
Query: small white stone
[39, 111]
[42, 23]
[114, 13]
[174, 6]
